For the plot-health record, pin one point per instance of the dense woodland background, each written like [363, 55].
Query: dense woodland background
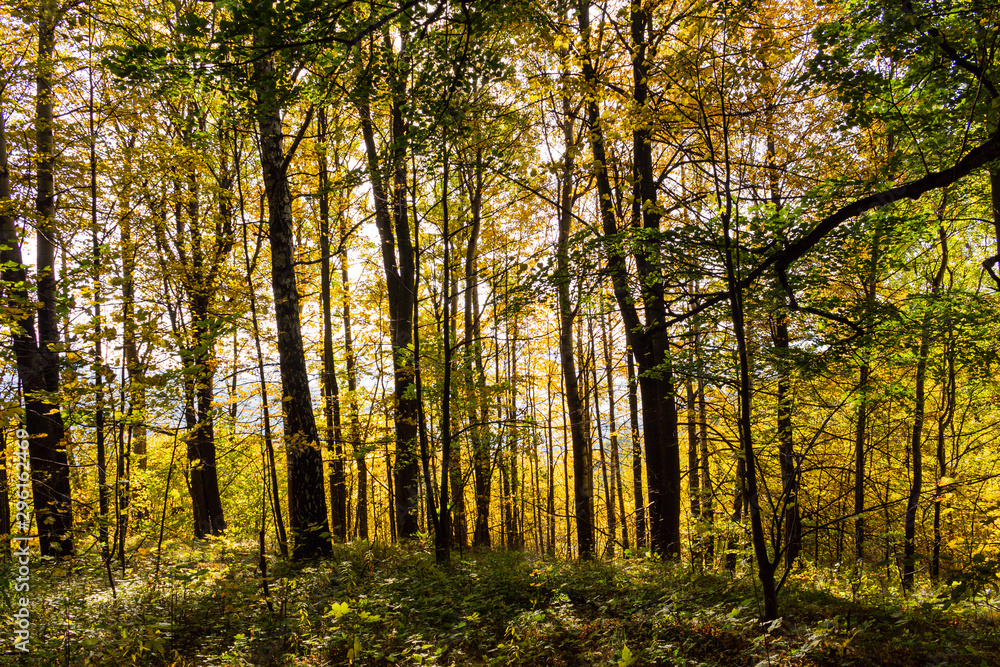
[710, 281]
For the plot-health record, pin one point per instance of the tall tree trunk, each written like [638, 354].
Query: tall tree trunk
[460, 529]
[272, 468]
[98, 362]
[307, 511]
[359, 448]
[706, 541]
[38, 361]
[707, 490]
[786, 450]
[582, 480]
[476, 412]
[616, 471]
[649, 344]
[393, 227]
[860, 434]
[515, 536]
[269, 462]
[637, 492]
[123, 495]
[566, 449]
[916, 439]
[198, 282]
[331, 392]
[786, 453]
[765, 567]
[944, 422]
[433, 521]
[861, 426]
[130, 343]
[609, 495]
[694, 478]
[550, 481]
[442, 539]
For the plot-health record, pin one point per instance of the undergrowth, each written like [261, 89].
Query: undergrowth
[383, 605]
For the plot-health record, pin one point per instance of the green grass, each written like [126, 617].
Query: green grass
[378, 605]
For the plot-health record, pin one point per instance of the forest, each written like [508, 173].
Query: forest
[466, 332]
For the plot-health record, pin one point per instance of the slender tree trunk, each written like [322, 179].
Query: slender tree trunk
[393, 227]
[203, 479]
[442, 539]
[616, 471]
[566, 449]
[98, 362]
[765, 567]
[582, 484]
[861, 427]
[476, 412]
[637, 492]
[786, 453]
[944, 421]
[331, 392]
[460, 529]
[359, 449]
[649, 344]
[609, 496]
[916, 440]
[306, 498]
[515, 536]
[136, 376]
[860, 434]
[707, 490]
[269, 462]
[582, 473]
[786, 450]
[550, 482]
[38, 363]
[433, 521]
[694, 479]
[123, 487]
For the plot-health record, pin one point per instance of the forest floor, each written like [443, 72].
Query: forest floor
[390, 605]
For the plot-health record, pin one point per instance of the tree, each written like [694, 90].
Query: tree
[36, 349]
[649, 341]
[307, 510]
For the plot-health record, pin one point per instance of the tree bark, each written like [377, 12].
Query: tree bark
[442, 539]
[98, 361]
[609, 495]
[861, 426]
[307, 512]
[130, 343]
[616, 471]
[637, 492]
[394, 233]
[649, 342]
[582, 474]
[916, 439]
[694, 478]
[359, 449]
[38, 359]
[478, 406]
[331, 392]
[765, 567]
[944, 422]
